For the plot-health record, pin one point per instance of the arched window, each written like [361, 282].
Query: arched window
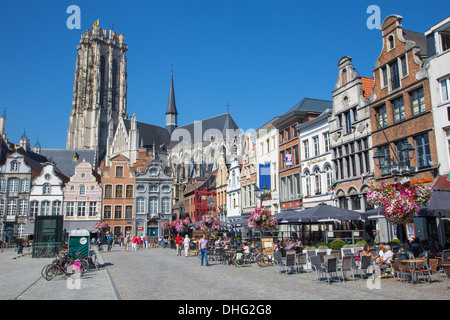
[318, 181]
[344, 77]
[354, 199]
[46, 189]
[391, 42]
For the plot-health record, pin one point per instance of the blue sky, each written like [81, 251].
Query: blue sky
[260, 56]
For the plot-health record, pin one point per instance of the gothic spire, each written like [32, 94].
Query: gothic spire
[171, 113]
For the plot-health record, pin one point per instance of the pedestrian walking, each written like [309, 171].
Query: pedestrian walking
[110, 242]
[203, 245]
[139, 242]
[186, 244]
[146, 241]
[133, 243]
[125, 242]
[178, 240]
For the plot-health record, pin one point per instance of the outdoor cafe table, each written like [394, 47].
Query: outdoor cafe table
[415, 262]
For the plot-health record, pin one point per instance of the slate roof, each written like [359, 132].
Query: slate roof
[171, 106]
[308, 104]
[221, 122]
[419, 38]
[64, 158]
[150, 134]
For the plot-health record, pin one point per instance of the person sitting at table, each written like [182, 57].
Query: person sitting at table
[246, 248]
[385, 260]
[366, 252]
[424, 254]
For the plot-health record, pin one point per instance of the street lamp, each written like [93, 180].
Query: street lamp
[401, 168]
[261, 195]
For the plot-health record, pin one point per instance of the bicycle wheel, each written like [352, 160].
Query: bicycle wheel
[261, 261]
[51, 272]
[44, 270]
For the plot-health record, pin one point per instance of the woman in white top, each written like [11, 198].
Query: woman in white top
[186, 243]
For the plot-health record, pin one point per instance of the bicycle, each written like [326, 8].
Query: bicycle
[240, 259]
[263, 259]
[65, 265]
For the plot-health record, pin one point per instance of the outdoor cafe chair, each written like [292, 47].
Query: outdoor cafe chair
[301, 261]
[366, 263]
[321, 254]
[278, 260]
[346, 252]
[446, 268]
[396, 271]
[433, 269]
[346, 266]
[315, 266]
[289, 263]
[330, 268]
[335, 253]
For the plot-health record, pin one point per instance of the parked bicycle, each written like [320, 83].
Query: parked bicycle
[65, 265]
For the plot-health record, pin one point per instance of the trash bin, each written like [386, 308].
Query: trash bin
[79, 240]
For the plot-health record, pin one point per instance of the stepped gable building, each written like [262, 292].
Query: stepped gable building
[82, 206]
[288, 148]
[350, 137]
[401, 100]
[99, 91]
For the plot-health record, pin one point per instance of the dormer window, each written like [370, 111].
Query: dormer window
[445, 39]
[14, 166]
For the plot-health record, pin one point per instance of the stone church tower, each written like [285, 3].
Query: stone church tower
[99, 91]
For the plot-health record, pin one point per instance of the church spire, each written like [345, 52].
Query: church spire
[171, 113]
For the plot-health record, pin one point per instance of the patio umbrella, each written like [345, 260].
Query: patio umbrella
[373, 214]
[322, 212]
[439, 205]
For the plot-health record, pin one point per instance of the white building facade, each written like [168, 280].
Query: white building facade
[267, 164]
[234, 207]
[438, 50]
[316, 162]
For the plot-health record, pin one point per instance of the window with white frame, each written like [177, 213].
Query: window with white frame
[24, 185]
[166, 205]
[12, 207]
[316, 145]
[70, 209]
[92, 209]
[318, 181]
[13, 187]
[14, 166]
[81, 209]
[23, 207]
[153, 205]
[445, 84]
[34, 209]
[45, 208]
[2, 185]
[417, 101]
[140, 205]
[56, 208]
[2, 207]
[46, 189]
[326, 139]
[306, 149]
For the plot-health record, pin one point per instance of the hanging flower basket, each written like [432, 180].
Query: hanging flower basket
[262, 219]
[180, 226]
[101, 225]
[401, 202]
[210, 222]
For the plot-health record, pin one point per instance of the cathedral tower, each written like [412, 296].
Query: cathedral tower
[99, 91]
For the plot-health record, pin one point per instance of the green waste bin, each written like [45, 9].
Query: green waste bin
[79, 240]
